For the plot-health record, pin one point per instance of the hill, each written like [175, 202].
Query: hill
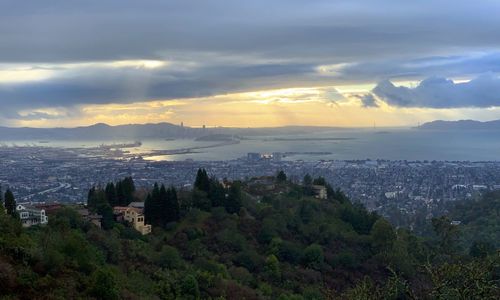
[461, 125]
[103, 131]
[265, 238]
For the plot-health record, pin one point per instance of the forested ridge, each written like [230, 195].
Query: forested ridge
[265, 238]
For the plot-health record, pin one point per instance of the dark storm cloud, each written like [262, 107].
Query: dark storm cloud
[225, 46]
[436, 92]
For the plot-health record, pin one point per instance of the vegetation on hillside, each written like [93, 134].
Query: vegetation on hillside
[259, 239]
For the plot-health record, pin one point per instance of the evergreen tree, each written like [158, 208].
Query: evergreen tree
[234, 199]
[148, 209]
[216, 193]
[163, 206]
[202, 181]
[2, 208]
[120, 194]
[10, 203]
[172, 209]
[281, 176]
[155, 207]
[307, 180]
[128, 190]
[111, 194]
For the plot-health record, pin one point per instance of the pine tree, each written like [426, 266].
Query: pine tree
[234, 198]
[148, 209]
[128, 190]
[216, 193]
[111, 194]
[120, 194]
[172, 205]
[163, 206]
[2, 208]
[281, 176]
[10, 203]
[155, 212]
[202, 181]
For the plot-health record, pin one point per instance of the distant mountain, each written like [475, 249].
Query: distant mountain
[103, 131]
[461, 125]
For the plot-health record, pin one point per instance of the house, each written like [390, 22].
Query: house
[320, 191]
[134, 216]
[30, 215]
[90, 217]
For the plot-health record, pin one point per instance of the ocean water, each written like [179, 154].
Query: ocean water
[392, 144]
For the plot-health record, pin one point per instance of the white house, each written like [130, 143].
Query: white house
[30, 215]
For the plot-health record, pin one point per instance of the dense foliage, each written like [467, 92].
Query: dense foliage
[258, 239]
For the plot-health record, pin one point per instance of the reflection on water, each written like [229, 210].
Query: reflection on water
[394, 144]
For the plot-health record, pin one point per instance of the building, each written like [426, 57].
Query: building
[252, 156]
[90, 217]
[320, 191]
[134, 216]
[30, 215]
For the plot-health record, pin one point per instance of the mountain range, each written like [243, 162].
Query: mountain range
[103, 131]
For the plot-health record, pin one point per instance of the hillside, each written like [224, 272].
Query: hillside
[461, 125]
[132, 132]
[266, 238]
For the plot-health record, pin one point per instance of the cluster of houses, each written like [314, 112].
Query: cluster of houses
[31, 215]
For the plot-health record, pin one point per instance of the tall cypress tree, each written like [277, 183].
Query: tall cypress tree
[163, 206]
[216, 193]
[2, 208]
[202, 181]
[155, 205]
[233, 201]
[111, 194]
[10, 203]
[128, 187]
[148, 209]
[120, 194]
[172, 208]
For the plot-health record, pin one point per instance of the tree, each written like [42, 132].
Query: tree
[313, 256]
[10, 203]
[447, 234]
[128, 187]
[216, 193]
[111, 194]
[2, 208]
[320, 181]
[281, 176]
[234, 198]
[172, 207]
[189, 288]
[382, 235]
[104, 285]
[153, 206]
[307, 180]
[148, 209]
[202, 181]
[272, 268]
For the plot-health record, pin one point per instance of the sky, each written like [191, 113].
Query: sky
[352, 63]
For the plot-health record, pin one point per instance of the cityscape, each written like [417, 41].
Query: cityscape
[64, 175]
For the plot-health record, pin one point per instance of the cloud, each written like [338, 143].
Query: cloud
[328, 31]
[72, 54]
[367, 100]
[438, 92]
